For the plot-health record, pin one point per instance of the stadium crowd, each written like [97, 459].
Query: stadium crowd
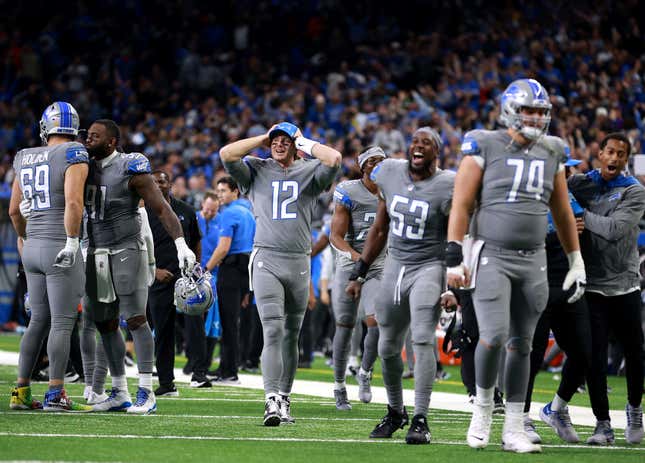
[193, 89]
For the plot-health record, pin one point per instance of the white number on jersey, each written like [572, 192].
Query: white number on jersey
[535, 181]
[368, 218]
[418, 209]
[35, 185]
[280, 208]
[95, 203]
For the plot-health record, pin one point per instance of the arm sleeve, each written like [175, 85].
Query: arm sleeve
[628, 214]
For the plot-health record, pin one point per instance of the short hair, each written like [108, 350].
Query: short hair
[161, 171]
[210, 194]
[232, 184]
[620, 136]
[111, 127]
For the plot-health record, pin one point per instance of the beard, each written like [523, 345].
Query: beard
[98, 152]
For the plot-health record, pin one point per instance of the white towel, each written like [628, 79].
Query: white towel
[104, 286]
[471, 249]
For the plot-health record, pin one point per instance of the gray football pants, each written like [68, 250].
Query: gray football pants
[281, 287]
[510, 293]
[129, 276]
[346, 311]
[54, 295]
[409, 298]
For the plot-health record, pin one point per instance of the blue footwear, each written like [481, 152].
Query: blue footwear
[118, 401]
[145, 404]
[57, 401]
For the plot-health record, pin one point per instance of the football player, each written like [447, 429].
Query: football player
[46, 209]
[119, 268]
[412, 215]
[283, 189]
[516, 174]
[354, 213]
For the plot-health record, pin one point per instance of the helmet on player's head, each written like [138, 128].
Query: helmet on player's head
[193, 291]
[525, 93]
[59, 118]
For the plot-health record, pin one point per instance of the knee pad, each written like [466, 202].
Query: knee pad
[108, 326]
[136, 321]
[273, 330]
[520, 345]
[270, 311]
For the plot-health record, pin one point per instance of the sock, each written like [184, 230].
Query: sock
[558, 403]
[513, 416]
[338, 385]
[145, 381]
[120, 383]
[485, 396]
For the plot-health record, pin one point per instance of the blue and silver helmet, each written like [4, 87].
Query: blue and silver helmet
[526, 93]
[59, 118]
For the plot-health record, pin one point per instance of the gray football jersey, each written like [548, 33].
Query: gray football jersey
[516, 187]
[418, 211]
[111, 206]
[361, 204]
[41, 172]
[283, 199]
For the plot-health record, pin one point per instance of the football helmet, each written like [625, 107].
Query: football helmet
[193, 291]
[525, 93]
[59, 118]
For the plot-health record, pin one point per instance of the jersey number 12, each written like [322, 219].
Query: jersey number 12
[280, 207]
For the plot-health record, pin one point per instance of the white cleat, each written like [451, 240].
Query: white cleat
[531, 432]
[146, 402]
[118, 401]
[364, 387]
[634, 429]
[95, 398]
[86, 392]
[479, 429]
[519, 442]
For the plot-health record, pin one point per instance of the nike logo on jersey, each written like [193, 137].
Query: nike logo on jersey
[303, 273]
[123, 259]
[542, 269]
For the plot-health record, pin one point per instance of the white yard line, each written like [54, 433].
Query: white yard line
[439, 400]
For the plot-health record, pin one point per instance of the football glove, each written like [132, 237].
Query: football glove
[67, 256]
[576, 275]
[185, 256]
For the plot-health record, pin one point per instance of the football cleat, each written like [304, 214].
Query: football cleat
[95, 398]
[390, 423]
[272, 412]
[518, 442]
[57, 401]
[602, 434]
[146, 402]
[531, 432]
[364, 387]
[117, 401]
[479, 429]
[167, 391]
[285, 410]
[21, 399]
[418, 432]
[634, 429]
[342, 403]
[560, 421]
[200, 381]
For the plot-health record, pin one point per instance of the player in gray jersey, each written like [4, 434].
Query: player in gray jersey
[284, 189]
[414, 204]
[118, 265]
[354, 213]
[614, 205]
[516, 174]
[46, 208]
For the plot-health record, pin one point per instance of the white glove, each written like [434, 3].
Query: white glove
[456, 272]
[67, 256]
[185, 256]
[26, 207]
[577, 275]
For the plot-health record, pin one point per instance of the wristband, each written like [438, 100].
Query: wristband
[454, 254]
[305, 145]
[359, 271]
[72, 243]
[180, 243]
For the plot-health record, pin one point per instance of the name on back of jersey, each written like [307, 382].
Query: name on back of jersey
[29, 159]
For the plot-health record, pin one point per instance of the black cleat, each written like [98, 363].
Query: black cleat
[418, 433]
[390, 423]
[167, 390]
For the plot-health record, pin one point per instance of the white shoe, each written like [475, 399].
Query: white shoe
[86, 392]
[519, 442]
[118, 401]
[364, 387]
[634, 429]
[479, 429]
[285, 410]
[145, 404]
[272, 412]
[95, 398]
[531, 432]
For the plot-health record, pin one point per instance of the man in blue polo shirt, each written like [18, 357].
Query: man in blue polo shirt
[236, 232]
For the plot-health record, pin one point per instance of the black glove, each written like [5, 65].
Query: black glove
[454, 255]
[359, 271]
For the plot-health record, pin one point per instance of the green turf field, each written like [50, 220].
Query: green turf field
[224, 424]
